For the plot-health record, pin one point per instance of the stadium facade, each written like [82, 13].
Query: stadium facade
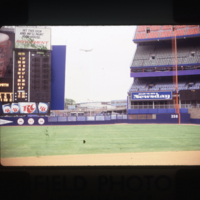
[159, 50]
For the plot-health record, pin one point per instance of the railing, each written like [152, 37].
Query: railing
[151, 106]
[190, 106]
[164, 106]
[87, 118]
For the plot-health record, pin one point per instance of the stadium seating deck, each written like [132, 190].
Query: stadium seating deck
[164, 54]
[162, 85]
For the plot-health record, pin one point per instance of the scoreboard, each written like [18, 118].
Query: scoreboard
[25, 75]
[40, 79]
[20, 76]
[186, 95]
[32, 75]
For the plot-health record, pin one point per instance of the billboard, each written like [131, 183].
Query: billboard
[26, 108]
[33, 38]
[151, 95]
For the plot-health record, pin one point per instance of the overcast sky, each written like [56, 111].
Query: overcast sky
[102, 74]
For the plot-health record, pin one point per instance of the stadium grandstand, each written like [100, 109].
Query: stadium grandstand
[167, 59]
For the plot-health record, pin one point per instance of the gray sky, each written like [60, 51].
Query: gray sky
[102, 74]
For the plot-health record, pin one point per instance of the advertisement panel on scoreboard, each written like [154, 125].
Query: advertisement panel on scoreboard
[7, 40]
[151, 95]
[26, 108]
[33, 38]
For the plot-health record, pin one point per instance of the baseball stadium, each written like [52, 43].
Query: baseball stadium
[157, 123]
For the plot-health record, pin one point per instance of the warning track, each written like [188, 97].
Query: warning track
[131, 159]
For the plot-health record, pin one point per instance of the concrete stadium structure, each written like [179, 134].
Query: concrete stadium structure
[153, 69]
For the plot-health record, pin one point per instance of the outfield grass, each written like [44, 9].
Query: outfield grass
[66, 140]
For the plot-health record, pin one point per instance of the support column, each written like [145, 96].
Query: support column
[129, 103]
[153, 105]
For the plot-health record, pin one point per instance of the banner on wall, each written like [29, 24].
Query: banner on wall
[119, 117]
[100, 118]
[26, 108]
[124, 116]
[33, 38]
[81, 118]
[113, 117]
[90, 118]
[151, 95]
[72, 119]
[107, 117]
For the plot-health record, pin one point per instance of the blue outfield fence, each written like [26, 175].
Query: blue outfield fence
[168, 118]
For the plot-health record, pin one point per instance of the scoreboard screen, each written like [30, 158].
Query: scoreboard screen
[186, 95]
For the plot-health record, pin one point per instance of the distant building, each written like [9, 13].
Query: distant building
[96, 108]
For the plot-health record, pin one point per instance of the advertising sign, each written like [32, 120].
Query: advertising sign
[41, 121]
[62, 119]
[6, 108]
[81, 118]
[26, 108]
[119, 116]
[90, 118]
[100, 118]
[14, 108]
[107, 117]
[43, 107]
[113, 117]
[20, 121]
[52, 119]
[71, 118]
[151, 95]
[124, 116]
[31, 121]
[33, 38]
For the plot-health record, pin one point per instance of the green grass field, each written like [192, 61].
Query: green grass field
[66, 140]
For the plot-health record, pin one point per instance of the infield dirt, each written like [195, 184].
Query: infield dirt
[130, 159]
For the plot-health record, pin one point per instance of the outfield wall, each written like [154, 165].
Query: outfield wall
[92, 120]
